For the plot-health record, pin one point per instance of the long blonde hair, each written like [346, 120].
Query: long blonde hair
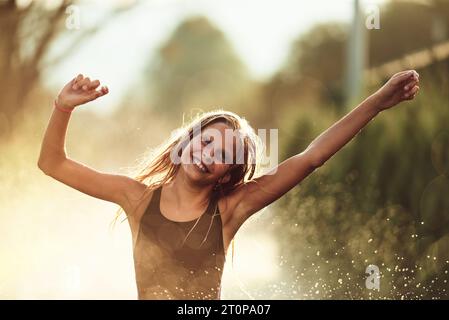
[157, 168]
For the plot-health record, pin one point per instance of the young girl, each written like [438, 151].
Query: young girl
[187, 204]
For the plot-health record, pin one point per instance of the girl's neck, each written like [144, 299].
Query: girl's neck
[185, 192]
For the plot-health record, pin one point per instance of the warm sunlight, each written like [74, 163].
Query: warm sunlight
[97, 95]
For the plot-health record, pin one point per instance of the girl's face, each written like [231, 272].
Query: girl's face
[210, 154]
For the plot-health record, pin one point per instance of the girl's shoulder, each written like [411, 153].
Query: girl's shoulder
[138, 200]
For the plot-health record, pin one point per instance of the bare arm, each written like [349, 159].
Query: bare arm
[53, 160]
[259, 192]
[402, 86]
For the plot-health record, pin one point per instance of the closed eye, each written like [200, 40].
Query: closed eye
[207, 141]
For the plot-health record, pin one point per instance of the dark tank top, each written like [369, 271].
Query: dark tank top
[171, 263]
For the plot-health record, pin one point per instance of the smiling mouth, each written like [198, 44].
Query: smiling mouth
[200, 165]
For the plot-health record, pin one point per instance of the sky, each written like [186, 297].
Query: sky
[260, 31]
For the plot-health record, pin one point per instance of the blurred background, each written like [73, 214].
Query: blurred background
[297, 66]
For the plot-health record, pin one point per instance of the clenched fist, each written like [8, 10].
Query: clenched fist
[402, 86]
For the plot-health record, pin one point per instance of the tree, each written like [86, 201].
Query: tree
[313, 72]
[28, 32]
[407, 27]
[195, 68]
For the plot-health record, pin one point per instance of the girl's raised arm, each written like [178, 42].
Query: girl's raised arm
[54, 162]
[260, 192]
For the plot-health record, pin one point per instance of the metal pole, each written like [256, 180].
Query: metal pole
[355, 56]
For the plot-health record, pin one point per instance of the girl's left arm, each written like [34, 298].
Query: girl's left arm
[260, 192]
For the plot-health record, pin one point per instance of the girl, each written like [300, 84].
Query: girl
[187, 204]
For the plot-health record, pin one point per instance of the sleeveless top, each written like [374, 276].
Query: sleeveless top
[174, 261]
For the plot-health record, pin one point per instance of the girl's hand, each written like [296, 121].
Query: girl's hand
[79, 91]
[402, 86]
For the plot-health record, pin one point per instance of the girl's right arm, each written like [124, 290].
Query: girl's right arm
[54, 162]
